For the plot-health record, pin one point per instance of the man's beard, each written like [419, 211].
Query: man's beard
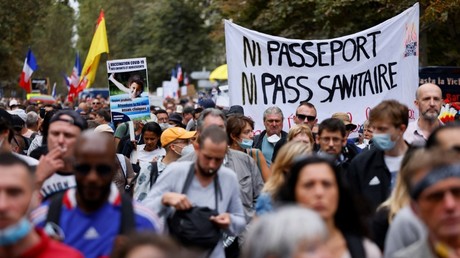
[206, 173]
[430, 115]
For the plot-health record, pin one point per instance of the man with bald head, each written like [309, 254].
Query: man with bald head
[428, 100]
[93, 201]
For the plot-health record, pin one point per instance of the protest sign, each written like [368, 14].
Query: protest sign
[349, 74]
[128, 86]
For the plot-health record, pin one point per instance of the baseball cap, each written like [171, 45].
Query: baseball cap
[75, 119]
[206, 103]
[13, 102]
[20, 113]
[235, 109]
[345, 119]
[176, 118]
[103, 128]
[171, 134]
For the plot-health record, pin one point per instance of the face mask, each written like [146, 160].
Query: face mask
[273, 139]
[14, 233]
[165, 126]
[187, 149]
[246, 143]
[383, 141]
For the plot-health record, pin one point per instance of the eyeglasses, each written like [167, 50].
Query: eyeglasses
[101, 169]
[327, 140]
[96, 103]
[302, 117]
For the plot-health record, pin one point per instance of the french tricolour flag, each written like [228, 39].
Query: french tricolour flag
[30, 65]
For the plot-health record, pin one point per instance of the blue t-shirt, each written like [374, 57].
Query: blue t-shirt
[94, 233]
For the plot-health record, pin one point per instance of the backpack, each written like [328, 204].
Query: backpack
[127, 224]
[192, 227]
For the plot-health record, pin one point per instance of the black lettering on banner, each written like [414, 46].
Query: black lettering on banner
[374, 44]
[374, 79]
[289, 88]
[299, 83]
[255, 54]
[306, 51]
[271, 47]
[292, 49]
[353, 43]
[361, 42]
[249, 87]
[321, 53]
[336, 47]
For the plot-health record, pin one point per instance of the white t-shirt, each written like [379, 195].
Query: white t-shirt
[147, 156]
[393, 164]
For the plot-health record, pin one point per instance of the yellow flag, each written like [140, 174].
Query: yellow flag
[99, 45]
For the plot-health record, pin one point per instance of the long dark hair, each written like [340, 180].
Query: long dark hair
[348, 218]
[155, 128]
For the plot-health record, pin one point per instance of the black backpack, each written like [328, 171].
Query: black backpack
[127, 224]
[192, 227]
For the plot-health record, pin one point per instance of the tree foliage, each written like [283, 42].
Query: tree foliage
[166, 32]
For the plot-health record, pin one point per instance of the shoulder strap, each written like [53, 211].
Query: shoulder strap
[54, 208]
[127, 224]
[189, 179]
[153, 173]
[258, 159]
[122, 163]
[355, 246]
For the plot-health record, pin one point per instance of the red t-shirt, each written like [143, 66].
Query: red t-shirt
[48, 247]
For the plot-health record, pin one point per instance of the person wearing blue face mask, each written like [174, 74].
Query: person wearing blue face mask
[372, 173]
[240, 134]
[18, 237]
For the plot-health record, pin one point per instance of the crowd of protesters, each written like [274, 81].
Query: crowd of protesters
[197, 182]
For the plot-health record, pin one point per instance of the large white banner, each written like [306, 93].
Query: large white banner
[348, 74]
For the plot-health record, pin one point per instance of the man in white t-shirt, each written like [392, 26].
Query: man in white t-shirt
[372, 173]
[55, 170]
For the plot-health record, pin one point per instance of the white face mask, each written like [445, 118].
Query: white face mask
[273, 139]
[187, 149]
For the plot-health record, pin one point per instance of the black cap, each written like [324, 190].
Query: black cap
[234, 110]
[176, 118]
[76, 119]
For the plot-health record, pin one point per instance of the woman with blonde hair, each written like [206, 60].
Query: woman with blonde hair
[280, 169]
[300, 133]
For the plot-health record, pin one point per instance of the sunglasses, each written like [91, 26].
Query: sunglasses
[96, 103]
[302, 117]
[101, 169]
